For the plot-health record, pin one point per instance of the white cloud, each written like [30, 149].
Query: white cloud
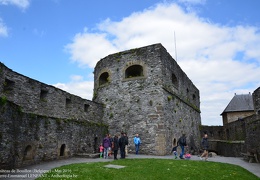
[19, 3]
[78, 86]
[207, 52]
[3, 29]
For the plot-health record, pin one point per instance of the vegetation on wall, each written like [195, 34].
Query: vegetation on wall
[3, 101]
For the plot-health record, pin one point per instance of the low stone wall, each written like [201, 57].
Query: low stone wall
[27, 138]
[230, 148]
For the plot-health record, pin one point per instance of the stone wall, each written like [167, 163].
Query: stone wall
[252, 126]
[42, 99]
[27, 138]
[214, 132]
[146, 92]
[230, 148]
[40, 122]
[256, 100]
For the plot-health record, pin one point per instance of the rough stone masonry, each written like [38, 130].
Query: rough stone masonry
[146, 92]
[140, 91]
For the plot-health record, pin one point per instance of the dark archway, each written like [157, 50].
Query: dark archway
[28, 153]
[62, 149]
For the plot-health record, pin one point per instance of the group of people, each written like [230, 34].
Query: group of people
[114, 144]
[182, 143]
[110, 145]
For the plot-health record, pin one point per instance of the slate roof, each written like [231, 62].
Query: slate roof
[243, 102]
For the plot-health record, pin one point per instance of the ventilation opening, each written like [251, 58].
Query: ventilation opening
[28, 153]
[62, 149]
[175, 80]
[134, 71]
[43, 94]
[86, 107]
[174, 142]
[193, 96]
[68, 102]
[8, 85]
[103, 78]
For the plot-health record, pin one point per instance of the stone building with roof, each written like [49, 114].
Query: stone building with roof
[239, 107]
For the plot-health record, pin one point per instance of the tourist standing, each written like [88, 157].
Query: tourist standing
[106, 145]
[122, 143]
[182, 143]
[137, 142]
[115, 146]
[205, 147]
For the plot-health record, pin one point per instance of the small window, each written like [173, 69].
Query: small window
[8, 85]
[103, 78]
[175, 81]
[134, 71]
[68, 102]
[43, 94]
[86, 107]
[193, 96]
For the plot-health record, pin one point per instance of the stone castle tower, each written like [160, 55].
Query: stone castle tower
[145, 91]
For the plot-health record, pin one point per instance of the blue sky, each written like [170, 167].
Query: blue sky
[58, 42]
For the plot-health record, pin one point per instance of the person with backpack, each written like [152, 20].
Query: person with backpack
[182, 143]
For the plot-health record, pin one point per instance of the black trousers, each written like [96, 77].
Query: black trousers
[122, 152]
[115, 154]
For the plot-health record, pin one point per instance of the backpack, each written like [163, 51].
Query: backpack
[183, 141]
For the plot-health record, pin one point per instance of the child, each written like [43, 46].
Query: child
[101, 148]
[174, 150]
[187, 156]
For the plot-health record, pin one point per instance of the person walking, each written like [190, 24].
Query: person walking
[137, 142]
[115, 146]
[182, 143]
[174, 151]
[106, 145]
[122, 143]
[205, 147]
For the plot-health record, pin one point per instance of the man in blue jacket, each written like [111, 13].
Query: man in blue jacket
[137, 142]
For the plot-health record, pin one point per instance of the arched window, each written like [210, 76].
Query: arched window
[134, 71]
[103, 78]
[27, 153]
[175, 81]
